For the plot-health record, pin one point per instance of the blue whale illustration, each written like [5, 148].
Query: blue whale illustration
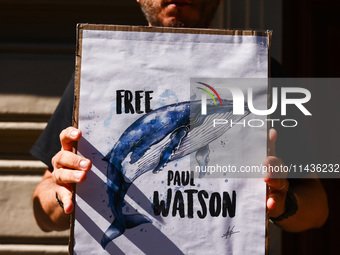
[161, 136]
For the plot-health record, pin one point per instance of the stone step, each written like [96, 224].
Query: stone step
[16, 215]
[22, 126]
[22, 167]
[18, 137]
[10, 249]
[26, 108]
[22, 119]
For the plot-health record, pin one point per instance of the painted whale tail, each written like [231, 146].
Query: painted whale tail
[116, 229]
[118, 186]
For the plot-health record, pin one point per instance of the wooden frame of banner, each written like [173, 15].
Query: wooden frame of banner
[82, 27]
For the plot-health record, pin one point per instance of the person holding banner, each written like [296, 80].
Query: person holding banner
[294, 205]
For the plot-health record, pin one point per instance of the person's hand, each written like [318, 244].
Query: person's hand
[68, 168]
[277, 182]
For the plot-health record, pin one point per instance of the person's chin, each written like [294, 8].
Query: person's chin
[173, 22]
[179, 21]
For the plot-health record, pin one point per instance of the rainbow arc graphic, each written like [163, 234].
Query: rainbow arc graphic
[204, 98]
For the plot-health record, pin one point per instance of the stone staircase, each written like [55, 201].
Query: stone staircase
[22, 119]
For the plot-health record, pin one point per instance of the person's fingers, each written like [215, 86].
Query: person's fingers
[272, 141]
[69, 167]
[276, 179]
[67, 159]
[272, 161]
[271, 204]
[68, 136]
[65, 197]
[278, 184]
[275, 168]
[65, 176]
[276, 204]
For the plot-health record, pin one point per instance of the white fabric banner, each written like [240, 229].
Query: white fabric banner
[140, 196]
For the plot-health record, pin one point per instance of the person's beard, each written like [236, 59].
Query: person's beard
[151, 11]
